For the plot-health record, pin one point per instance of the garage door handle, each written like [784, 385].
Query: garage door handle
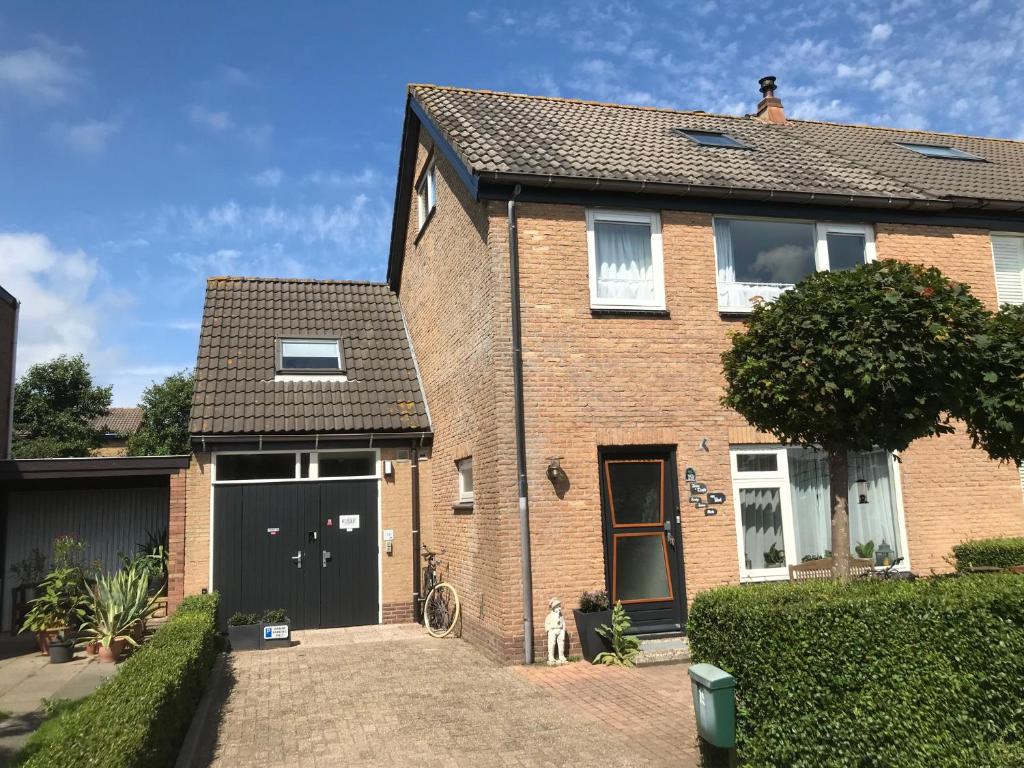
[297, 558]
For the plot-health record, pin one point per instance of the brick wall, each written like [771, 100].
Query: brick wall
[176, 539]
[197, 524]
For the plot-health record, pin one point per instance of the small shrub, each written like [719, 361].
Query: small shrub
[989, 553]
[239, 619]
[275, 616]
[592, 602]
[624, 647]
[872, 673]
[138, 717]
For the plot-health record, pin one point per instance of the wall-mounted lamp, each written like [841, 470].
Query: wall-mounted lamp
[555, 471]
[389, 469]
[862, 491]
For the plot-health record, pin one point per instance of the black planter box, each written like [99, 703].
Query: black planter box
[591, 643]
[267, 643]
[245, 637]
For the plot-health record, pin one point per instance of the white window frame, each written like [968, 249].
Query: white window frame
[652, 219]
[780, 479]
[821, 259]
[314, 466]
[465, 497]
[995, 270]
[426, 193]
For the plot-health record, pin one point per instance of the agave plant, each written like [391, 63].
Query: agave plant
[118, 603]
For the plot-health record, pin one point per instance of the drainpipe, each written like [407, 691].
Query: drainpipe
[517, 377]
[414, 459]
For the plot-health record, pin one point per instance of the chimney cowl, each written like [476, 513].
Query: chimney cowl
[769, 109]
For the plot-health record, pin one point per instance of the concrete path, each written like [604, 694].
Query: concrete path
[392, 696]
[26, 679]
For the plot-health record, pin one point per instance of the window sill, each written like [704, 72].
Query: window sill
[463, 508]
[424, 225]
[632, 312]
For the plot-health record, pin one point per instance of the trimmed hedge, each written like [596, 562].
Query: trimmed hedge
[873, 673]
[139, 717]
[989, 553]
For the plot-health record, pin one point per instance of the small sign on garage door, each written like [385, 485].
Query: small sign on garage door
[348, 522]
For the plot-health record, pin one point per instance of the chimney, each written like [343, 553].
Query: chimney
[770, 108]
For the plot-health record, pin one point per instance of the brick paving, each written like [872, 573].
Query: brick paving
[392, 696]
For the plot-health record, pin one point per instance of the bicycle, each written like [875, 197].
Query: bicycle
[441, 605]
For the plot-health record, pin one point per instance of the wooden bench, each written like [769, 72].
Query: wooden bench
[822, 569]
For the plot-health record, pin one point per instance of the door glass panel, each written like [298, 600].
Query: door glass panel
[757, 462]
[845, 251]
[761, 512]
[347, 463]
[635, 490]
[255, 466]
[641, 568]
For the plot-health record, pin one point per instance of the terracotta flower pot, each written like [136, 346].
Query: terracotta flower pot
[111, 653]
[91, 649]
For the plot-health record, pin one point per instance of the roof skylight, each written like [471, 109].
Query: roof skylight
[938, 150]
[711, 138]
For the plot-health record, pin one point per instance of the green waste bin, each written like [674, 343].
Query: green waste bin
[714, 702]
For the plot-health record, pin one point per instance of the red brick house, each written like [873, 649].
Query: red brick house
[570, 273]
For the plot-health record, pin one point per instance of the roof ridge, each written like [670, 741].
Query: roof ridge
[258, 279]
[568, 100]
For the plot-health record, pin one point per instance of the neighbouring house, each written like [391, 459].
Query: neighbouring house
[115, 427]
[8, 350]
[309, 428]
[570, 273]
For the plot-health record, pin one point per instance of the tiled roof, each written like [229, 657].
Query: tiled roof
[498, 134]
[235, 391]
[119, 421]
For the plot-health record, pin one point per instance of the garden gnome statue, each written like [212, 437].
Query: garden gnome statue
[554, 625]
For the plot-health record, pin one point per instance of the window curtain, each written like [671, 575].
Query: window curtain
[723, 246]
[761, 510]
[874, 520]
[809, 489]
[625, 269]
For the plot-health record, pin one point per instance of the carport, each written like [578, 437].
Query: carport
[111, 503]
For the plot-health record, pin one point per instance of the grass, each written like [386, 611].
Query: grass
[4, 715]
[55, 709]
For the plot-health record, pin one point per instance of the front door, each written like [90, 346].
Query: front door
[348, 553]
[643, 544]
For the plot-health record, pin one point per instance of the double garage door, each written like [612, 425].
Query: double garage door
[308, 547]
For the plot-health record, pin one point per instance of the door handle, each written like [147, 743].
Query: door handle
[325, 558]
[297, 558]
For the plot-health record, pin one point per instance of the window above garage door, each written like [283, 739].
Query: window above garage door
[278, 466]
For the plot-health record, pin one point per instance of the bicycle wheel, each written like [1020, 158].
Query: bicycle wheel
[441, 610]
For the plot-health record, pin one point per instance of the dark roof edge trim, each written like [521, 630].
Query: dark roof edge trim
[8, 298]
[92, 466]
[465, 174]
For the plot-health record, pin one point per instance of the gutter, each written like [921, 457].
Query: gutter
[517, 378]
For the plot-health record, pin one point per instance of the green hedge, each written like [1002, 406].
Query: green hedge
[871, 674]
[139, 717]
[995, 553]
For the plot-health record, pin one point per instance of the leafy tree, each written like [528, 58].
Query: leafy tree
[164, 428]
[848, 361]
[54, 404]
[994, 406]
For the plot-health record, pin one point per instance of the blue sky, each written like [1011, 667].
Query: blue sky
[144, 147]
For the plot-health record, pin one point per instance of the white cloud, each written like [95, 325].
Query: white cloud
[271, 177]
[47, 71]
[89, 137]
[214, 120]
[882, 80]
[368, 177]
[59, 314]
[258, 134]
[233, 76]
[880, 33]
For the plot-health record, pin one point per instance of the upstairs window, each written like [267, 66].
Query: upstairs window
[626, 267]
[426, 193]
[1008, 258]
[711, 139]
[758, 259]
[465, 467]
[309, 356]
[938, 150]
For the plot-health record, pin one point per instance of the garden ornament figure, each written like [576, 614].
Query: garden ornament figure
[554, 625]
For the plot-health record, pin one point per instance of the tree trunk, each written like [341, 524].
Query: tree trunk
[839, 490]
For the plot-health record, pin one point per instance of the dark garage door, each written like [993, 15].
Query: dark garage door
[308, 547]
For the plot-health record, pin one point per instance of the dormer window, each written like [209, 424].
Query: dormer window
[310, 356]
[711, 138]
[938, 150]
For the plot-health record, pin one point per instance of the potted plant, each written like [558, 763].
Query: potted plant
[275, 629]
[623, 647]
[58, 607]
[61, 648]
[244, 631]
[594, 611]
[118, 604]
[29, 572]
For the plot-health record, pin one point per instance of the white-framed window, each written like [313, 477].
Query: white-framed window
[627, 268]
[465, 470]
[309, 356]
[1008, 262]
[426, 193]
[278, 466]
[783, 510]
[758, 259]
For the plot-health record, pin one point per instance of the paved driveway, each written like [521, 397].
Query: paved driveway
[392, 696]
